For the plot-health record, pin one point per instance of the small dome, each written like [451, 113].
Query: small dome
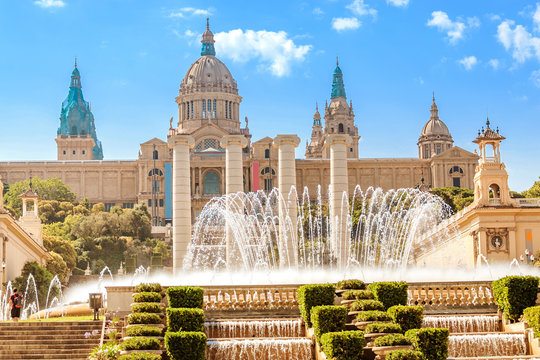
[435, 127]
[209, 71]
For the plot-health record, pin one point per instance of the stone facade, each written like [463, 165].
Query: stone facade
[208, 108]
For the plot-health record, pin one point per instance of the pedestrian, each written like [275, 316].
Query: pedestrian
[16, 305]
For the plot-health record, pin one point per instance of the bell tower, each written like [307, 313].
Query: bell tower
[491, 179]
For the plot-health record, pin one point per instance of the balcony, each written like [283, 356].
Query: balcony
[495, 202]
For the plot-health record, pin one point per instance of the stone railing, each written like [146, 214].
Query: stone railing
[528, 202]
[467, 296]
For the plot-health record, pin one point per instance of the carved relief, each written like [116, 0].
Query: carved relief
[497, 239]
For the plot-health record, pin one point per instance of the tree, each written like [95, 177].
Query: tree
[47, 189]
[534, 191]
[57, 266]
[43, 279]
[456, 198]
[62, 247]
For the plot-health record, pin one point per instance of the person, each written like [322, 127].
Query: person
[16, 305]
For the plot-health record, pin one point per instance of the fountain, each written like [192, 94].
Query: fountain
[464, 323]
[495, 344]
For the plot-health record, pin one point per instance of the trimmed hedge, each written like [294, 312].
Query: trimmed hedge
[144, 318]
[390, 293]
[140, 356]
[380, 328]
[185, 345]
[532, 316]
[351, 284]
[404, 355]
[185, 297]
[513, 294]
[431, 342]
[373, 315]
[343, 345]
[392, 340]
[409, 317]
[366, 305]
[184, 319]
[358, 295]
[144, 307]
[143, 331]
[153, 287]
[141, 343]
[328, 318]
[314, 295]
[147, 297]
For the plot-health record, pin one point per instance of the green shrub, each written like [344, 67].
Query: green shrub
[409, 317]
[366, 305]
[357, 295]
[314, 295]
[153, 287]
[328, 318]
[392, 340]
[343, 345]
[404, 355]
[351, 284]
[390, 293]
[185, 297]
[185, 345]
[513, 294]
[143, 331]
[146, 297]
[141, 343]
[373, 315]
[386, 328]
[532, 316]
[144, 307]
[185, 319]
[140, 356]
[144, 318]
[431, 342]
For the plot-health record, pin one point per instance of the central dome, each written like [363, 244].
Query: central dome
[208, 73]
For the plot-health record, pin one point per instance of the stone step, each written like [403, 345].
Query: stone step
[23, 345]
[48, 337]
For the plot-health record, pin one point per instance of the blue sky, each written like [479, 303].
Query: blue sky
[477, 56]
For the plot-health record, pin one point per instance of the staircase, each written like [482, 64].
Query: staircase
[258, 339]
[48, 340]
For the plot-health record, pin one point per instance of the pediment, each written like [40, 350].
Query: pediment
[455, 153]
[154, 141]
[264, 141]
[208, 130]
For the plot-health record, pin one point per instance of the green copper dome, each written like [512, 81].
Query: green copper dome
[207, 41]
[76, 117]
[338, 88]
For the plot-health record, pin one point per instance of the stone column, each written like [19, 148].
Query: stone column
[288, 243]
[181, 197]
[339, 143]
[234, 181]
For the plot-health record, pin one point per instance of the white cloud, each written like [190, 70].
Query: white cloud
[189, 11]
[398, 3]
[50, 3]
[536, 17]
[275, 51]
[358, 7]
[494, 63]
[342, 24]
[494, 17]
[318, 12]
[535, 78]
[518, 40]
[453, 29]
[468, 62]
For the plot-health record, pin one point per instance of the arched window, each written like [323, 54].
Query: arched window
[494, 191]
[155, 172]
[266, 170]
[340, 129]
[267, 153]
[155, 155]
[456, 170]
[211, 183]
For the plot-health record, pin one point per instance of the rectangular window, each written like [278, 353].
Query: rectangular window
[149, 203]
[267, 184]
[456, 182]
[160, 202]
[204, 108]
[187, 110]
[214, 109]
[127, 205]
[426, 152]
[230, 110]
[108, 206]
[209, 108]
[155, 186]
[438, 149]
[226, 110]
[192, 109]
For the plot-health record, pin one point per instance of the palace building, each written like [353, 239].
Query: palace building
[208, 109]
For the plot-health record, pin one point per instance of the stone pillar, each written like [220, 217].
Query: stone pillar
[234, 181]
[339, 143]
[288, 243]
[181, 197]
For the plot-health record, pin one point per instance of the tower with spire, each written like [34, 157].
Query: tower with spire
[338, 119]
[76, 137]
